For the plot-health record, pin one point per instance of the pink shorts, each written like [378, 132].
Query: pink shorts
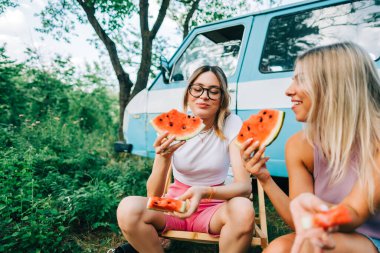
[198, 221]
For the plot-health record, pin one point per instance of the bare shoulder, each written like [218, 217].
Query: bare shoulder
[299, 150]
[299, 143]
[377, 180]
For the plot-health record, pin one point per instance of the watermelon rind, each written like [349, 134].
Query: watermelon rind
[180, 137]
[275, 132]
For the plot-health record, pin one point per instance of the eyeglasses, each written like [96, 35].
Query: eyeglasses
[213, 93]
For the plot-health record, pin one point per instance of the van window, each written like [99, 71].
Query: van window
[290, 35]
[219, 47]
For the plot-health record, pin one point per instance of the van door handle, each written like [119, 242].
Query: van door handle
[231, 90]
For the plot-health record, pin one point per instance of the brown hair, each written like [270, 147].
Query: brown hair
[224, 110]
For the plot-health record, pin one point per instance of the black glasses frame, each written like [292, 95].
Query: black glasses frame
[203, 90]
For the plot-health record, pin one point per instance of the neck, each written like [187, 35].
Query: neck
[209, 123]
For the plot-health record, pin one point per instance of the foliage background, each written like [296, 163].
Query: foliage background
[60, 182]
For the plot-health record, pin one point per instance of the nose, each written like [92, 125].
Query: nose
[204, 95]
[290, 90]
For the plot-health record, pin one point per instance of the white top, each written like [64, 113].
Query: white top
[204, 160]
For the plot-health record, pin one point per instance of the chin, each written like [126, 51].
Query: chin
[301, 118]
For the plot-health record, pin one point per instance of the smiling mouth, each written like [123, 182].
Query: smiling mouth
[296, 103]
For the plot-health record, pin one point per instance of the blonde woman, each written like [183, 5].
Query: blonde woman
[200, 168]
[336, 93]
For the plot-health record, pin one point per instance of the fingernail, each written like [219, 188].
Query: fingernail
[323, 207]
[257, 143]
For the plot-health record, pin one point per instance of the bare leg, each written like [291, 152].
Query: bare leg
[345, 243]
[282, 244]
[235, 222]
[140, 225]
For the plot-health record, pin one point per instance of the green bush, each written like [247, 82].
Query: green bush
[58, 175]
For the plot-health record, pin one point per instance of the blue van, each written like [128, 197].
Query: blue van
[257, 53]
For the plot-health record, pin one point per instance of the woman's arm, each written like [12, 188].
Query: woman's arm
[307, 205]
[356, 201]
[164, 151]
[299, 157]
[299, 163]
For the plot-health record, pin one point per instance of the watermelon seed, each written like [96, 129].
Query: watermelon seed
[261, 119]
[264, 112]
[249, 129]
[183, 127]
[160, 119]
[188, 116]
[270, 116]
[171, 124]
[241, 135]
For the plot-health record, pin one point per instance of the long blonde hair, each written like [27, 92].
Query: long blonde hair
[224, 110]
[344, 118]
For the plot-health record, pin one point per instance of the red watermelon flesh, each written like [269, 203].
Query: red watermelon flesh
[263, 127]
[178, 124]
[166, 204]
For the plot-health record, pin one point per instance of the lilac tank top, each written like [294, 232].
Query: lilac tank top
[335, 193]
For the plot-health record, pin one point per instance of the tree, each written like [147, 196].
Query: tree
[197, 12]
[7, 3]
[107, 19]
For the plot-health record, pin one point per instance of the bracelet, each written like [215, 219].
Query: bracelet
[211, 193]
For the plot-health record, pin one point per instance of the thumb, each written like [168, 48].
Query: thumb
[186, 195]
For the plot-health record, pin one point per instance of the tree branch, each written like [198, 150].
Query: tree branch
[144, 22]
[194, 7]
[160, 18]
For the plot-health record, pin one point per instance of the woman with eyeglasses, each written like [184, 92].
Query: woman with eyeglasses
[200, 167]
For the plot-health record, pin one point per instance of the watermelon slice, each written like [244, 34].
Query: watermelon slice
[335, 216]
[263, 127]
[178, 124]
[166, 204]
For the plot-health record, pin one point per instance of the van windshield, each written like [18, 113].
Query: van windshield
[218, 47]
[290, 35]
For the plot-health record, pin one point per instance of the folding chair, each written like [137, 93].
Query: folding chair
[260, 235]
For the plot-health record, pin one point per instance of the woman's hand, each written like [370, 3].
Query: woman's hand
[303, 208]
[253, 160]
[164, 146]
[193, 197]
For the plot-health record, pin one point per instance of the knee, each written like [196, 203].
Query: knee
[129, 212]
[282, 244]
[242, 214]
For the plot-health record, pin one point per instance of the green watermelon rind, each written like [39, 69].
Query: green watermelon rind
[275, 132]
[273, 135]
[182, 137]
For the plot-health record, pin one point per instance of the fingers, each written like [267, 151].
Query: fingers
[163, 144]
[177, 145]
[248, 148]
[297, 244]
[160, 138]
[319, 238]
[308, 202]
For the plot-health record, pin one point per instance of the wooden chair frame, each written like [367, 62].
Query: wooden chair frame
[260, 235]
